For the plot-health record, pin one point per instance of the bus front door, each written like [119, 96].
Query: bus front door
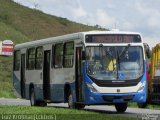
[79, 76]
[22, 82]
[46, 75]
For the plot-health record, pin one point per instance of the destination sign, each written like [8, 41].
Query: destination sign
[113, 38]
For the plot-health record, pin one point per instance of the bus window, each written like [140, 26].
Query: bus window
[58, 54]
[31, 58]
[68, 54]
[39, 57]
[16, 60]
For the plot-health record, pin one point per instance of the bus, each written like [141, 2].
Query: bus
[85, 68]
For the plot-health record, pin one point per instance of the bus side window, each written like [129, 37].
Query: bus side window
[39, 57]
[68, 54]
[58, 55]
[31, 59]
[17, 60]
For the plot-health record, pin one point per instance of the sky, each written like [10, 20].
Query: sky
[126, 15]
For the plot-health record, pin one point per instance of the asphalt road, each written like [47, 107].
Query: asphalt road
[135, 112]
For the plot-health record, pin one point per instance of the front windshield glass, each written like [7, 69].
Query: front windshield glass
[114, 63]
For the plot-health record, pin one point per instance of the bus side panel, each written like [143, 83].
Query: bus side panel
[57, 84]
[16, 83]
[70, 79]
[34, 77]
[60, 77]
[57, 92]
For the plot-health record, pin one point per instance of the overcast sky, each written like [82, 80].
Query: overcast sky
[128, 15]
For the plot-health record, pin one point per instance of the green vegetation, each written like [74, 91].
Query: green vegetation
[21, 24]
[6, 88]
[26, 24]
[61, 113]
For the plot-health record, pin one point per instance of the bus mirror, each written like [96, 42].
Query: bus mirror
[83, 55]
[147, 50]
[148, 53]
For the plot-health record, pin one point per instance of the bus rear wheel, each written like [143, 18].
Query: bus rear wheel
[33, 98]
[72, 104]
[121, 107]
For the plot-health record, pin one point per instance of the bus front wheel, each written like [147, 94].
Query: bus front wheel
[80, 106]
[142, 105]
[121, 107]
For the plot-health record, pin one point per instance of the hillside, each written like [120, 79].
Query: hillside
[21, 24]
[24, 24]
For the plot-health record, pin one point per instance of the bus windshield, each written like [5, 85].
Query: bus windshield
[114, 62]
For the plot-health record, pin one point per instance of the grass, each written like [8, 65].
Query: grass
[6, 88]
[61, 113]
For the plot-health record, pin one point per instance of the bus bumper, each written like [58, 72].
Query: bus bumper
[99, 98]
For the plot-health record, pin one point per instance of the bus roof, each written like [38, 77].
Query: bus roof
[73, 36]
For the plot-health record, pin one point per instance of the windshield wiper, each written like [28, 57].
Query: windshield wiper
[118, 58]
[124, 50]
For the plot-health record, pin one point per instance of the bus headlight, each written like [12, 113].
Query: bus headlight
[91, 88]
[141, 88]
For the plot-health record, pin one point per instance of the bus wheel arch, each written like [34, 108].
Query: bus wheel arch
[33, 100]
[68, 96]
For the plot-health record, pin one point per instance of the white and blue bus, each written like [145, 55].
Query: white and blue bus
[85, 68]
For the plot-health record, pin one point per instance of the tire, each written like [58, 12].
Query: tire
[71, 104]
[121, 107]
[41, 103]
[33, 101]
[79, 106]
[142, 105]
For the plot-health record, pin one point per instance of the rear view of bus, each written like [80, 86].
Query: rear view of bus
[114, 69]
